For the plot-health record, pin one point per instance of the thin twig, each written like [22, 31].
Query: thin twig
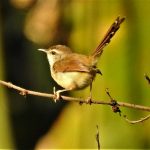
[116, 109]
[26, 92]
[108, 93]
[136, 121]
[97, 138]
[114, 103]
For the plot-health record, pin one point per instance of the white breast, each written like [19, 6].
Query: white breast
[72, 80]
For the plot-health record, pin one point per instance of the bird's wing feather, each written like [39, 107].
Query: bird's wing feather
[72, 63]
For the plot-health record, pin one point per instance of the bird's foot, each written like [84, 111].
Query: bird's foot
[89, 100]
[57, 95]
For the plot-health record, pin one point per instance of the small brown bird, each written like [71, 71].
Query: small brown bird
[74, 71]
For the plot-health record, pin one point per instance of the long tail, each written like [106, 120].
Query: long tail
[107, 38]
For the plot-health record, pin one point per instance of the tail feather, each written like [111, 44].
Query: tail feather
[107, 38]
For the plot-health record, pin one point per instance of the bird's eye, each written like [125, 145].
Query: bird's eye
[53, 52]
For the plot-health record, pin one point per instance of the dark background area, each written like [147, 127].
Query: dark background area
[30, 116]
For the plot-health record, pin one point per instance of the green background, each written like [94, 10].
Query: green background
[32, 122]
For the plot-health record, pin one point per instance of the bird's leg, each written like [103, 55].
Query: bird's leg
[89, 99]
[96, 71]
[57, 95]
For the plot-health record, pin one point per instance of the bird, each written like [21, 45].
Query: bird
[74, 71]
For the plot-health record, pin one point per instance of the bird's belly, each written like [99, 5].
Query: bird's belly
[72, 80]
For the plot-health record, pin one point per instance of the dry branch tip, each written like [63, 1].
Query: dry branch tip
[137, 121]
[97, 138]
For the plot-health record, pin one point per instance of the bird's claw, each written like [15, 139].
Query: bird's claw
[89, 100]
[56, 95]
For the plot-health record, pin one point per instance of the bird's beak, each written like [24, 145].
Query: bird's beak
[43, 50]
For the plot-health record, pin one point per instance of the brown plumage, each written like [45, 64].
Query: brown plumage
[75, 71]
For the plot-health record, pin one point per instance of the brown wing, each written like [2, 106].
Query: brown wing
[74, 62]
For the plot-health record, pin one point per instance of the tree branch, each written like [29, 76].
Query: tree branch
[24, 92]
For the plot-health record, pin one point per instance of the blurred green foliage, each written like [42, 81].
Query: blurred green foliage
[5, 128]
[81, 24]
